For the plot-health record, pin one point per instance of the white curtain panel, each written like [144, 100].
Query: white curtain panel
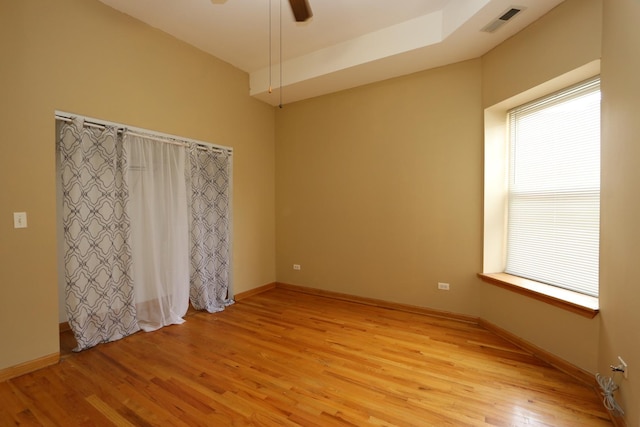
[97, 254]
[210, 187]
[159, 230]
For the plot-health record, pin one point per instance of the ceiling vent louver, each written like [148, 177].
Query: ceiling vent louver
[502, 19]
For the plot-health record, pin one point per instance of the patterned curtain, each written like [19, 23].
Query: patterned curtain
[97, 253]
[210, 234]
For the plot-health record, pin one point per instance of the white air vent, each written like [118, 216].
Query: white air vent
[502, 19]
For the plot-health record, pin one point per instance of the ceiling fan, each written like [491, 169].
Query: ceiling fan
[301, 10]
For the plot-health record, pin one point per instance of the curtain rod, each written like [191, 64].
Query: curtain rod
[156, 136]
[89, 124]
[168, 141]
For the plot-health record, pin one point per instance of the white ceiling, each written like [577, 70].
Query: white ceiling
[346, 43]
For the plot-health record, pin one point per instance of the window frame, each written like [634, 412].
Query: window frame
[550, 197]
[496, 204]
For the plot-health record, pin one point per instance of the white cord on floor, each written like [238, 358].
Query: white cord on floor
[608, 387]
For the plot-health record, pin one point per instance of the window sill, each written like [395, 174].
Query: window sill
[583, 305]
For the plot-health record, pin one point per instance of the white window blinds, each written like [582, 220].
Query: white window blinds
[554, 189]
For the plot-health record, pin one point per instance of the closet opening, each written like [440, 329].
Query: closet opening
[144, 229]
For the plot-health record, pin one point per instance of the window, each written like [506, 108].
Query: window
[554, 189]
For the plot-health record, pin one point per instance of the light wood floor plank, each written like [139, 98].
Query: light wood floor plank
[285, 358]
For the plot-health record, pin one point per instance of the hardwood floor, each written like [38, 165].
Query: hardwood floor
[287, 358]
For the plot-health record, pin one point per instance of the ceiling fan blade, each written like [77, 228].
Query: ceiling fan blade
[301, 10]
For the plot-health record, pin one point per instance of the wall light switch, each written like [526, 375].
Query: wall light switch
[19, 220]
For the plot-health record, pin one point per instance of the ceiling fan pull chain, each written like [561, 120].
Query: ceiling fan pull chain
[280, 105]
[270, 43]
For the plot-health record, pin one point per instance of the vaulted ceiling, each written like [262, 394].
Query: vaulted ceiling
[346, 43]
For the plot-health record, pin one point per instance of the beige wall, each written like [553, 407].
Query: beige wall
[568, 37]
[83, 57]
[620, 217]
[379, 189]
[565, 39]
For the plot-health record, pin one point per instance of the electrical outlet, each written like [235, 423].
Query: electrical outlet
[443, 286]
[19, 220]
[624, 366]
[296, 266]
